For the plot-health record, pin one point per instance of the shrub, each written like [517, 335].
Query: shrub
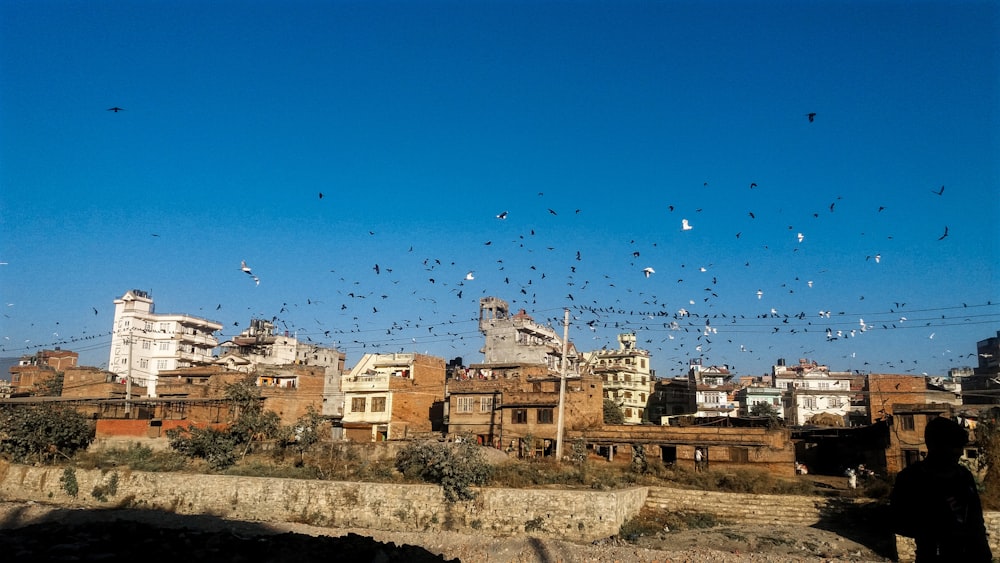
[217, 447]
[456, 467]
[43, 433]
[136, 457]
[69, 483]
[102, 491]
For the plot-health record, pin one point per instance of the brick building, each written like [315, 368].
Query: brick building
[393, 397]
[515, 406]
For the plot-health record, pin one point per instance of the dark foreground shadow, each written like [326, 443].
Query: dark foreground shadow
[131, 535]
[866, 524]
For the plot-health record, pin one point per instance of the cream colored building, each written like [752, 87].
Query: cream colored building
[626, 373]
[144, 343]
[393, 397]
[809, 389]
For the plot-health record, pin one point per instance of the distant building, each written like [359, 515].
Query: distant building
[34, 373]
[751, 395]
[144, 343]
[810, 390]
[393, 397]
[519, 339]
[626, 376]
[262, 345]
[983, 386]
[713, 388]
[57, 359]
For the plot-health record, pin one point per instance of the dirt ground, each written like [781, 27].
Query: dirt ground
[54, 533]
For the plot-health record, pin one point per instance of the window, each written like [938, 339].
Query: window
[519, 416]
[544, 416]
[809, 402]
[358, 404]
[464, 404]
[164, 327]
[165, 346]
[486, 404]
[143, 363]
[905, 421]
[628, 413]
[148, 327]
[378, 404]
[161, 364]
[145, 344]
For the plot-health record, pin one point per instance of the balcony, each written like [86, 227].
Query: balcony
[368, 382]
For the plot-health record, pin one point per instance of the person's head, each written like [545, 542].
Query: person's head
[945, 437]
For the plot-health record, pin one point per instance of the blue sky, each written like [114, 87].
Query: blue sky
[419, 122]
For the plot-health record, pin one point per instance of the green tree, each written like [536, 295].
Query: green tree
[250, 421]
[768, 411]
[52, 386]
[456, 467]
[613, 413]
[43, 433]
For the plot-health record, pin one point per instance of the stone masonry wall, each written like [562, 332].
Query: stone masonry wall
[583, 515]
[571, 515]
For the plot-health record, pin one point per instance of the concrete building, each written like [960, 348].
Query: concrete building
[713, 388]
[393, 397]
[262, 345]
[626, 376]
[810, 390]
[518, 339]
[751, 395]
[144, 343]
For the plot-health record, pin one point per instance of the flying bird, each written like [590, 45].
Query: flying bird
[246, 269]
[811, 116]
[552, 212]
[939, 192]
[945, 233]
[801, 237]
[116, 109]
[753, 185]
[502, 215]
[321, 195]
[469, 276]
[648, 271]
[760, 294]
[685, 226]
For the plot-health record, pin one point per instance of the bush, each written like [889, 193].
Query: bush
[43, 433]
[456, 467]
[136, 457]
[217, 447]
[69, 482]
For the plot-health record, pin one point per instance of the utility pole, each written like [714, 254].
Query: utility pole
[128, 377]
[562, 389]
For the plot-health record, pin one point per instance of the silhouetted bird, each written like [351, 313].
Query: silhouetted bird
[116, 109]
[811, 116]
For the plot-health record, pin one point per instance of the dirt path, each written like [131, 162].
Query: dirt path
[186, 537]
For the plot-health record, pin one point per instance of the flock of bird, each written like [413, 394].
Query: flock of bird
[351, 311]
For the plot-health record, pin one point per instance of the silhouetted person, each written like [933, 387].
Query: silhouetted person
[935, 500]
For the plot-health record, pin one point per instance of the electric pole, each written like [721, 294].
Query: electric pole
[562, 388]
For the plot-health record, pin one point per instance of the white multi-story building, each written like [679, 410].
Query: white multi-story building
[261, 344]
[144, 343]
[713, 388]
[627, 377]
[811, 389]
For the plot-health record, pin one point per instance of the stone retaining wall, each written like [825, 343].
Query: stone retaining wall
[570, 515]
